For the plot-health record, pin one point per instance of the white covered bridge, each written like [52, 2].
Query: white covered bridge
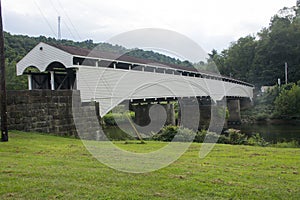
[110, 79]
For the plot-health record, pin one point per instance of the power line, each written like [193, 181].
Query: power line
[45, 18]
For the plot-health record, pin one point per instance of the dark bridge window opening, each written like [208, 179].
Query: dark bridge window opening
[63, 78]
[123, 66]
[149, 69]
[77, 61]
[160, 70]
[105, 63]
[192, 74]
[185, 73]
[137, 67]
[84, 61]
[169, 71]
[177, 72]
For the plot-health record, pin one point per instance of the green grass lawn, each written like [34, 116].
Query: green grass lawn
[35, 166]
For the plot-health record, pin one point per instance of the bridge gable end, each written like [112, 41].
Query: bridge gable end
[41, 56]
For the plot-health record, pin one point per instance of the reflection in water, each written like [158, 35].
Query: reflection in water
[276, 132]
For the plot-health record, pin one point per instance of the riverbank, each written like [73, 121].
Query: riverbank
[35, 166]
[254, 134]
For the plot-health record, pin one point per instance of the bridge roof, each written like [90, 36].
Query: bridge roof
[84, 52]
[43, 54]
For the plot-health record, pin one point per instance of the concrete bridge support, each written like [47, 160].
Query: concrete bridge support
[245, 103]
[169, 107]
[188, 113]
[205, 113]
[234, 109]
[142, 117]
[193, 113]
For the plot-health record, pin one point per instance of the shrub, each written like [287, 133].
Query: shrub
[115, 134]
[184, 135]
[166, 134]
[111, 119]
[200, 136]
[223, 139]
[291, 144]
[235, 137]
[257, 140]
[261, 117]
[288, 101]
[211, 137]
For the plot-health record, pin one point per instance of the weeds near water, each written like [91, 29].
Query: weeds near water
[291, 144]
[231, 136]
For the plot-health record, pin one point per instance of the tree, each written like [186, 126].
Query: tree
[288, 102]
[237, 60]
[260, 59]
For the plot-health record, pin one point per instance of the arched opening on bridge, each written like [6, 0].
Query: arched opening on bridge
[36, 79]
[55, 77]
[60, 77]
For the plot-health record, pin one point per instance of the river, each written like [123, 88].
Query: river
[275, 131]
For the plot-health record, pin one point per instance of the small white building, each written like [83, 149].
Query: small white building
[264, 89]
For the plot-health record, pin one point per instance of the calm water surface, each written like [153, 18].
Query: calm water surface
[272, 132]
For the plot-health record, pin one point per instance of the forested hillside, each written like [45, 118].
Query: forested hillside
[260, 59]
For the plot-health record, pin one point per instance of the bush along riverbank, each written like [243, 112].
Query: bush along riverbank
[166, 134]
[231, 136]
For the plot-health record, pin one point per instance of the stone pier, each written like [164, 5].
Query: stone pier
[170, 114]
[234, 109]
[141, 111]
[188, 113]
[142, 117]
[205, 113]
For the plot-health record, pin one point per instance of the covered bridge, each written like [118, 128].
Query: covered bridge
[109, 78]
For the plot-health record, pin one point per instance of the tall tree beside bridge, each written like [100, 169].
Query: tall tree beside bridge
[260, 59]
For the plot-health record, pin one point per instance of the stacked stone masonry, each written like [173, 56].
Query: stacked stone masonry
[44, 111]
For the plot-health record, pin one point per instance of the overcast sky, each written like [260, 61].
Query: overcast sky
[210, 23]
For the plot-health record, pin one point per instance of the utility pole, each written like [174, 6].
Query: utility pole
[286, 72]
[3, 103]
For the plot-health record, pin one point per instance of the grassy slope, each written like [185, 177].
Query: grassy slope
[34, 166]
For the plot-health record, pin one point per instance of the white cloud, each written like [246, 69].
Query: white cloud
[213, 23]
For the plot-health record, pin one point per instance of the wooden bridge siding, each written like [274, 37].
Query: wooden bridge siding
[110, 87]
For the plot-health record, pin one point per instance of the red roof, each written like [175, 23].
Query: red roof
[120, 57]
